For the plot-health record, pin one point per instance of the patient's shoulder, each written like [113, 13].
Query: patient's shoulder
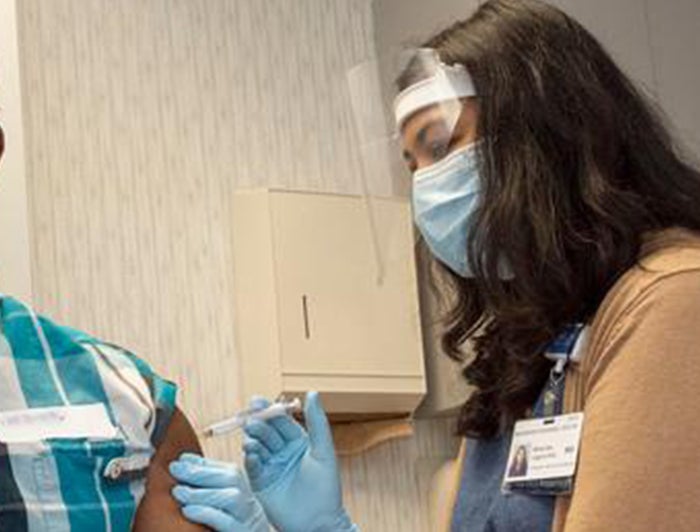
[50, 365]
[158, 510]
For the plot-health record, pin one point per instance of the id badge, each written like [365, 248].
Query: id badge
[543, 455]
[35, 424]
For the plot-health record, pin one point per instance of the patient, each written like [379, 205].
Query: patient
[80, 483]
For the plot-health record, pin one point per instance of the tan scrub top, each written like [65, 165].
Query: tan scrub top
[639, 464]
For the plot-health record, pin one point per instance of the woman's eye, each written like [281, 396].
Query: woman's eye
[438, 150]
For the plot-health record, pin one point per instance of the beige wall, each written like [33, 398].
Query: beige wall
[141, 117]
[674, 39]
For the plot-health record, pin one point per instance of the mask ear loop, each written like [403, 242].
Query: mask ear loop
[561, 362]
[551, 396]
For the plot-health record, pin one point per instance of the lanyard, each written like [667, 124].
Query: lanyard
[567, 348]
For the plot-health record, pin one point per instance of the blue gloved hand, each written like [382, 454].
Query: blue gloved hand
[294, 474]
[216, 495]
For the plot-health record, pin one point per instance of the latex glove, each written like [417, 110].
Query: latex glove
[293, 473]
[217, 495]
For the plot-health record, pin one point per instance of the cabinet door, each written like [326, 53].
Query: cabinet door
[335, 316]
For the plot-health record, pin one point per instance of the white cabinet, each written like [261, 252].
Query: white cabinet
[311, 310]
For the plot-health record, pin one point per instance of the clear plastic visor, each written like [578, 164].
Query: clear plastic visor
[406, 108]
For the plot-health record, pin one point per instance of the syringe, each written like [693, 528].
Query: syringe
[233, 423]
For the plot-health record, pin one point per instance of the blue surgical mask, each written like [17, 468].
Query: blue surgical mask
[445, 196]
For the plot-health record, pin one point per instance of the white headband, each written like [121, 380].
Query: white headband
[448, 83]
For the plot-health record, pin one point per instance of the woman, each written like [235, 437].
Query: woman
[557, 198]
[518, 467]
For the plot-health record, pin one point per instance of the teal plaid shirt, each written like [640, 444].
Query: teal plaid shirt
[77, 484]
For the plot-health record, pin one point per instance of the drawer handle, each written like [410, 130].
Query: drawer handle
[305, 309]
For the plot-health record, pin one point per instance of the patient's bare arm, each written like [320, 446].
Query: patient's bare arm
[158, 510]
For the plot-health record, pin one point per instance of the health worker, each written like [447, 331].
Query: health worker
[567, 221]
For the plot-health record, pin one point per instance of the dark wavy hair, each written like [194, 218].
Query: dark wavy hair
[577, 165]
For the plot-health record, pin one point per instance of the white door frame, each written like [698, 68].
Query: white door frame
[15, 265]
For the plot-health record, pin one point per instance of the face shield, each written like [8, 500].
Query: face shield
[406, 110]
